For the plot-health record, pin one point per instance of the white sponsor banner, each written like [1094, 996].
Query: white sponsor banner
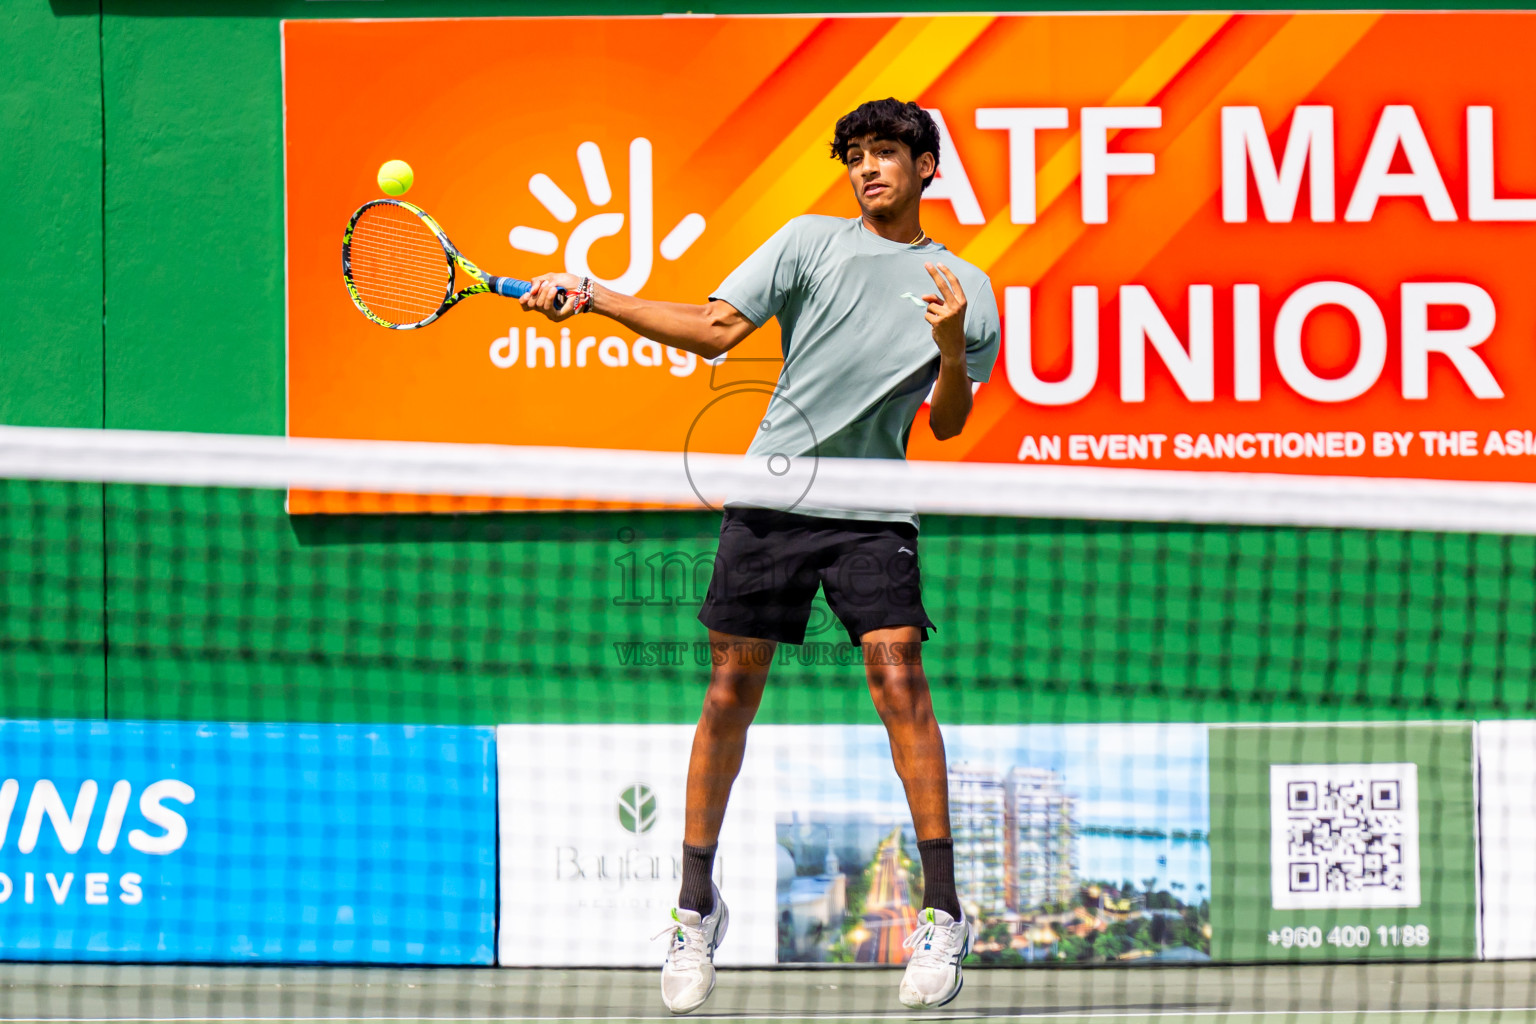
[1506, 767]
[818, 858]
[591, 845]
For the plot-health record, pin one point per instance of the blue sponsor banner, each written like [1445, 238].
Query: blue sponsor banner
[295, 842]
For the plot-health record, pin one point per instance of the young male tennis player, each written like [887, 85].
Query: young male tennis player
[859, 357]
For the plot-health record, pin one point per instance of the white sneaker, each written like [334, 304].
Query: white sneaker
[688, 976]
[933, 974]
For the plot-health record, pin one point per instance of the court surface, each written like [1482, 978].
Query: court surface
[1486, 993]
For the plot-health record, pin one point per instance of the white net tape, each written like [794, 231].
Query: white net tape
[700, 480]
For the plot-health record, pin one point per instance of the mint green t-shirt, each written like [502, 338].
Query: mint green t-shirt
[859, 357]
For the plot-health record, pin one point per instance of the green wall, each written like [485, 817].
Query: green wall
[143, 263]
[51, 659]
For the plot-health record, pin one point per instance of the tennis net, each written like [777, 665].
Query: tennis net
[1217, 746]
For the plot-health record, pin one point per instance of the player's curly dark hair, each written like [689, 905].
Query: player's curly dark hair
[889, 119]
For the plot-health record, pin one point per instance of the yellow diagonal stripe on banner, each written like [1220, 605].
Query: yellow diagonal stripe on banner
[1284, 71]
[800, 169]
[1061, 170]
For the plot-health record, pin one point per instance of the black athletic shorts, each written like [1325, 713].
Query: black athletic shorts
[770, 563]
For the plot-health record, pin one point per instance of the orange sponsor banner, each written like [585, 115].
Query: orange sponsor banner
[1277, 243]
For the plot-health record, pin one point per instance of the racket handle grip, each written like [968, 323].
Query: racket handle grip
[515, 288]
[511, 287]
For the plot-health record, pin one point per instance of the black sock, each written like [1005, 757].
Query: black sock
[698, 892]
[939, 875]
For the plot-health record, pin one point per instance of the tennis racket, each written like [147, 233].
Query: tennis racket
[400, 268]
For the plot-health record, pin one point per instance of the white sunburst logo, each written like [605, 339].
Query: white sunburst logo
[594, 176]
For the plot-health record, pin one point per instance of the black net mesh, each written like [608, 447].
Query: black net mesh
[341, 766]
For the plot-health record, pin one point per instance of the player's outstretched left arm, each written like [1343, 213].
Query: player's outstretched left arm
[710, 330]
[951, 405]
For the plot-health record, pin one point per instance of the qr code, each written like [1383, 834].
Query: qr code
[1343, 835]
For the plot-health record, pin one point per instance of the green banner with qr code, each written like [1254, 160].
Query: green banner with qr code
[1343, 842]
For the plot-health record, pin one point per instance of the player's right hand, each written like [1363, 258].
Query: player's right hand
[541, 298]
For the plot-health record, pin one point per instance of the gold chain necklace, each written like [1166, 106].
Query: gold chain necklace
[921, 234]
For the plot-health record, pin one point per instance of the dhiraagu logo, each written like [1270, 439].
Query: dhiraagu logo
[571, 351]
[637, 809]
[594, 176]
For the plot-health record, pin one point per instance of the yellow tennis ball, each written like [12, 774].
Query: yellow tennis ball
[396, 177]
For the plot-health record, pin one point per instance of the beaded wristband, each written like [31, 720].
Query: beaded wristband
[584, 296]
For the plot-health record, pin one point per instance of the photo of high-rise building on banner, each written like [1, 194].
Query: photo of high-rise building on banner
[1080, 843]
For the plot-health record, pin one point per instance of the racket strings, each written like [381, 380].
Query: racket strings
[399, 266]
